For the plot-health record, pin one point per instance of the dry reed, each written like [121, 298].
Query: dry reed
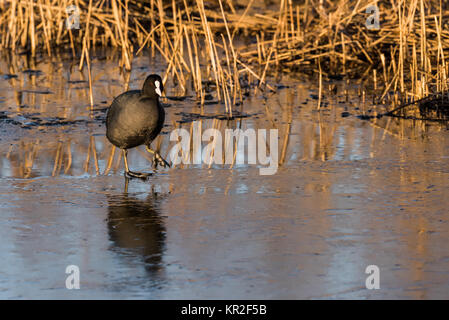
[203, 41]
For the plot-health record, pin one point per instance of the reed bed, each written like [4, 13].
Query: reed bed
[235, 45]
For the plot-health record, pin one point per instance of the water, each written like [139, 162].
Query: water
[348, 194]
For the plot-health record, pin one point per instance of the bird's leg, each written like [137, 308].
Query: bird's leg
[129, 173]
[125, 191]
[157, 158]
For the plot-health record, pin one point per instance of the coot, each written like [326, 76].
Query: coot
[136, 118]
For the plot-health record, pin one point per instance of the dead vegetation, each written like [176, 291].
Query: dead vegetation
[237, 44]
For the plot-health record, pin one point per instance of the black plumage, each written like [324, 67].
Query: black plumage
[136, 118]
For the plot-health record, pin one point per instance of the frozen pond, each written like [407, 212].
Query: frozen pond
[347, 194]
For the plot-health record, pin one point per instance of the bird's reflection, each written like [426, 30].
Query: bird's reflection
[136, 227]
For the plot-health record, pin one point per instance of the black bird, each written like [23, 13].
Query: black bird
[135, 118]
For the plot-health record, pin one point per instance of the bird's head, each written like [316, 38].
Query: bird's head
[153, 86]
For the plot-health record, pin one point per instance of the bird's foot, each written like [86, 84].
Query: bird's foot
[139, 175]
[158, 160]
